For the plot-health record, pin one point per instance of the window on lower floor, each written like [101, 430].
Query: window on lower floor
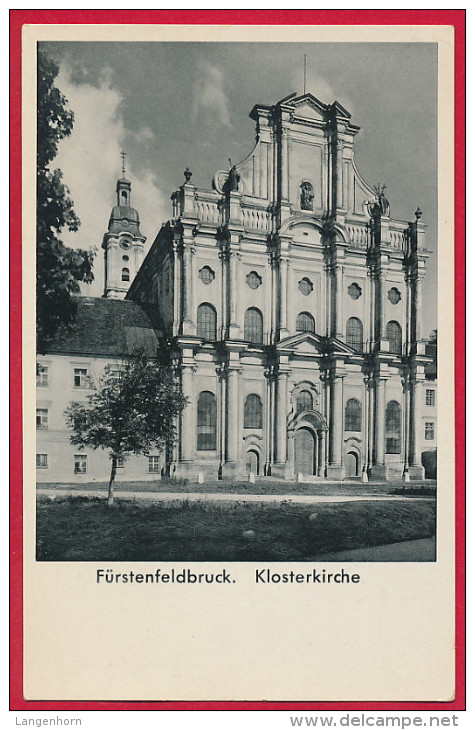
[393, 428]
[305, 322]
[430, 397]
[80, 378]
[354, 334]
[206, 321]
[253, 325]
[80, 464]
[394, 336]
[120, 462]
[429, 431]
[41, 461]
[253, 412]
[353, 415]
[41, 418]
[42, 376]
[154, 464]
[304, 401]
[206, 422]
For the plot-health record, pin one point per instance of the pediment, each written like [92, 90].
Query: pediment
[308, 111]
[304, 342]
[310, 343]
[307, 106]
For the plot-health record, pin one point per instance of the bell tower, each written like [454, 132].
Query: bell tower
[123, 242]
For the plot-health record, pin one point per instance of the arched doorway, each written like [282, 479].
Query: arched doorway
[305, 452]
[252, 462]
[351, 464]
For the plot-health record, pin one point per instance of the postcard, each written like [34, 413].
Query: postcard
[239, 475]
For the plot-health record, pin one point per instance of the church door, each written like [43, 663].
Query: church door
[252, 462]
[304, 452]
[351, 464]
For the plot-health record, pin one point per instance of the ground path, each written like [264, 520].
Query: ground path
[223, 496]
[411, 551]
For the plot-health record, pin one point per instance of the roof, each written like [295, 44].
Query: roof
[124, 218]
[111, 327]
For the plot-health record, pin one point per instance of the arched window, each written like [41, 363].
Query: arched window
[393, 428]
[305, 322]
[123, 197]
[353, 415]
[354, 334]
[206, 422]
[206, 322]
[125, 274]
[253, 412]
[394, 335]
[253, 325]
[304, 401]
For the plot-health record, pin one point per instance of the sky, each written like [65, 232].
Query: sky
[174, 105]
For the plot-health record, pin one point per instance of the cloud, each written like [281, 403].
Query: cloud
[321, 88]
[210, 102]
[91, 163]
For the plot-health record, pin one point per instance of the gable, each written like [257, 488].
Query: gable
[308, 111]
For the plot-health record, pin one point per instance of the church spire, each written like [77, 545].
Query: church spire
[123, 243]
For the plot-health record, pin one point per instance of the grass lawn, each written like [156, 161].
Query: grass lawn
[82, 528]
[181, 486]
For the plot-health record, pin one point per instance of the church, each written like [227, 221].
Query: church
[290, 301]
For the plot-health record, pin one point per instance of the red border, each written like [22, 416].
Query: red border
[18, 18]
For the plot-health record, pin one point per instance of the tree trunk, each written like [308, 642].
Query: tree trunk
[110, 496]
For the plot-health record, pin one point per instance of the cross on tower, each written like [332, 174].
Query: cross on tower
[123, 154]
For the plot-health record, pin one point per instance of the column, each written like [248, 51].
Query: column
[177, 289]
[364, 470]
[263, 162]
[284, 266]
[336, 419]
[415, 422]
[379, 421]
[321, 454]
[232, 414]
[285, 164]
[273, 300]
[187, 436]
[418, 309]
[370, 422]
[281, 418]
[337, 303]
[234, 329]
[188, 290]
[268, 422]
[406, 387]
[339, 173]
[381, 305]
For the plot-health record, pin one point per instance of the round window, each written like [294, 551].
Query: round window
[354, 290]
[305, 286]
[206, 274]
[253, 280]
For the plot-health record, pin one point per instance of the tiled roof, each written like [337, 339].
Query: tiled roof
[106, 327]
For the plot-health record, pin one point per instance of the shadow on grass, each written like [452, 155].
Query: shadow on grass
[82, 528]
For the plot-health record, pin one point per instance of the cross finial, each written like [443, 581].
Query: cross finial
[123, 154]
[304, 73]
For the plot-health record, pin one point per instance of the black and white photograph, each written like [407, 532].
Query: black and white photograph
[236, 301]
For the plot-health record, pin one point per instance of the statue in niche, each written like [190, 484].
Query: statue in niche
[306, 195]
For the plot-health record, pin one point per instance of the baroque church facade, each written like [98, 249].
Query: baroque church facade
[292, 301]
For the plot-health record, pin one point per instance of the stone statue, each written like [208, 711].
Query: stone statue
[233, 180]
[382, 207]
[306, 196]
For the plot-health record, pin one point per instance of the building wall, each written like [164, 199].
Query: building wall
[53, 441]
